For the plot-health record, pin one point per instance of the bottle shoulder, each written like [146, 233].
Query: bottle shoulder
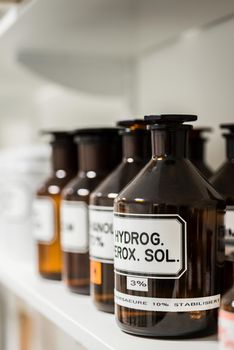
[171, 182]
[80, 187]
[203, 168]
[54, 185]
[222, 180]
[117, 180]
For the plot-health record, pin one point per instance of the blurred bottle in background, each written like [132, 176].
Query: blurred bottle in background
[47, 205]
[223, 182]
[21, 172]
[136, 146]
[99, 151]
[197, 151]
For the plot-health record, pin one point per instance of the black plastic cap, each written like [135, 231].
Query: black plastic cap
[169, 121]
[196, 133]
[95, 134]
[170, 118]
[131, 122]
[95, 131]
[229, 126]
[58, 135]
[132, 126]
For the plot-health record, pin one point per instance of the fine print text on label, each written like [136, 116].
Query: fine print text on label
[43, 220]
[150, 245]
[101, 246]
[74, 220]
[167, 305]
[137, 283]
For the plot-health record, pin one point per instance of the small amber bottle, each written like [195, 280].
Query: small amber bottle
[99, 151]
[169, 256]
[136, 147]
[223, 182]
[47, 204]
[226, 321]
[197, 150]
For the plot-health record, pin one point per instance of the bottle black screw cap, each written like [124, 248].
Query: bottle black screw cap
[170, 118]
[130, 122]
[228, 126]
[132, 126]
[59, 135]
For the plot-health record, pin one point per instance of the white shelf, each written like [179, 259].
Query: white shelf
[120, 28]
[88, 45]
[77, 316]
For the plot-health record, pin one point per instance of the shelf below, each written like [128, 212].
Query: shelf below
[77, 316]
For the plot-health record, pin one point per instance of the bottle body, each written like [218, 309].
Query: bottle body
[197, 150]
[76, 272]
[203, 168]
[222, 181]
[169, 255]
[101, 233]
[98, 151]
[47, 227]
[226, 321]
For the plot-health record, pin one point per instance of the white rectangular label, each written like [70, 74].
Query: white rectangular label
[137, 283]
[44, 219]
[150, 245]
[167, 305]
[101, 246]
[74, 222]
[226, 330]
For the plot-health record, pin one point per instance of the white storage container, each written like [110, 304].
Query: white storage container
[21, 171]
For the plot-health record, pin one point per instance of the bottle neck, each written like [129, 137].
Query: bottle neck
[95, 156]
[197, 149]
[64, 157]
[230, 147]
[170, 143]
[136, 146]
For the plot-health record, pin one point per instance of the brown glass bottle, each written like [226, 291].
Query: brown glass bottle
[47, 205]
[226, 321]
[136, 147]
[223, 182]
[197, 150]
[168, 231]
[99, 151]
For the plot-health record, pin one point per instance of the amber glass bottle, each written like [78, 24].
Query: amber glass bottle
[197, 150]
[47, 205]
[168, 231]
[226, 321]
[99, 151]
[136, 147]
[223, 182]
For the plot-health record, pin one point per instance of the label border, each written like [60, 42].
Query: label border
[85, 206]
[184, 246]
[56, 227]
[107, 209]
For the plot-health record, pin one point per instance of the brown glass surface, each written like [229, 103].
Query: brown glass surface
[170, 184]
[64, 164]
[197, 150]
[49, 255]
[76, 272]
[222, 180]
[136, 152]
[98, 156]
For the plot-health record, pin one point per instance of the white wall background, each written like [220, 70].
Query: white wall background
[193, 75]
